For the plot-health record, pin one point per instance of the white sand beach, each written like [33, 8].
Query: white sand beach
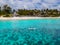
[24, 18]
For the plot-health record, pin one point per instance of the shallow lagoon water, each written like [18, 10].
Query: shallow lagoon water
[30, 32]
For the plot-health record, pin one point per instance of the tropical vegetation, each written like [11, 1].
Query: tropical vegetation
[7, 11]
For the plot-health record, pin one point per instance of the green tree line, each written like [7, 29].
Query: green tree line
[7, 11]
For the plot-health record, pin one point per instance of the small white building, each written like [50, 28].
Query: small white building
[15, 14]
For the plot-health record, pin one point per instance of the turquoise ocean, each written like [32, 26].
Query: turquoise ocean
[30, 32]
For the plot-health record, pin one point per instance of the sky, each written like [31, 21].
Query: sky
[32, 4]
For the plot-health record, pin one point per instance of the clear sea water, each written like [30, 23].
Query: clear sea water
[30, 32]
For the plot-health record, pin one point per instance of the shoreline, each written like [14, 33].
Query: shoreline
[24, 18]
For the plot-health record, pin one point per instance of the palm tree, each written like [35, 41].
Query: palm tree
[7, 10]
[0, 11]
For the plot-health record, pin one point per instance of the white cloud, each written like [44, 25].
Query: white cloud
[50, 1]
[44, 5]
[11, 1]
[31, 4]
[36, 1]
